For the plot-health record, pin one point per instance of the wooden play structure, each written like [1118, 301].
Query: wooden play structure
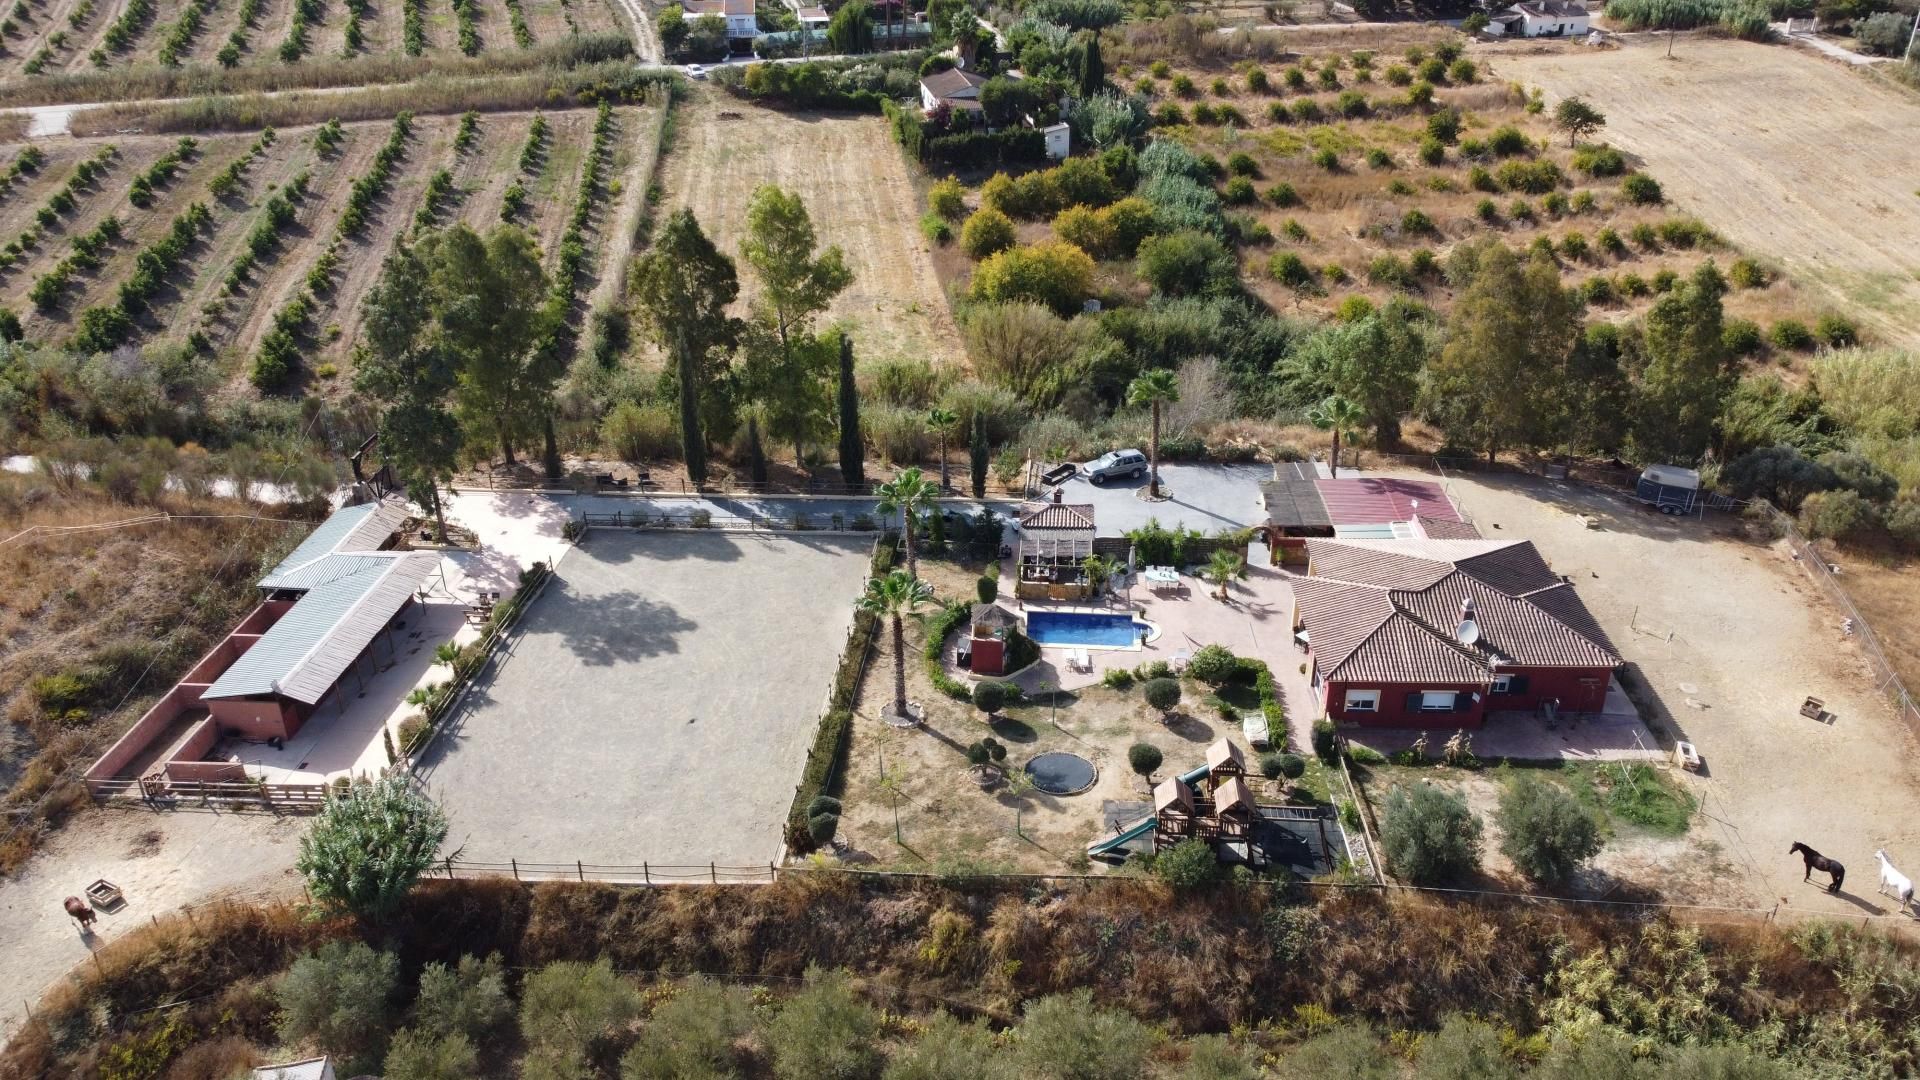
[1213, 804]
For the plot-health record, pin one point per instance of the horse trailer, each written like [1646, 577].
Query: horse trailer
[1669, 488]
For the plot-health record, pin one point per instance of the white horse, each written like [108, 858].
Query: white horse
[1893, 882]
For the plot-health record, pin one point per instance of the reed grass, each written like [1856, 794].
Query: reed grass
[435, 95]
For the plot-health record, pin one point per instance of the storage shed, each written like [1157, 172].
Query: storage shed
[1669, 488]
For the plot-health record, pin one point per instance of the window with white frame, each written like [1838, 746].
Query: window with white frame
[1363, 701]
[1503, 684]
[1438, 700]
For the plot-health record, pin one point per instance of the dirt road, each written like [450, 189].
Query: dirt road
[1732, 637]
[159, 860]
[855, 184]
[1789, 156]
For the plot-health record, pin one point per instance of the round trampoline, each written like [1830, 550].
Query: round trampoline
[1060, 773]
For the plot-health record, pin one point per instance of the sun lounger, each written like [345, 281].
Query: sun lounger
[1079, 660]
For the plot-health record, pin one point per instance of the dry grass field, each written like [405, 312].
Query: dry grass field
[856, 186]
[1787, 155]
[234, 318]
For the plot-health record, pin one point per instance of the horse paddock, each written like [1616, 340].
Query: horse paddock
[655, 705]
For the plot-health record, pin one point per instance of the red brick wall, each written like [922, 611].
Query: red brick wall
[1578, 690]
[1393, 706]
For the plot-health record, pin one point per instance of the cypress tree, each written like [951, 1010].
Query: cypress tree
[756, 454]
[979, 456]
[853, 467]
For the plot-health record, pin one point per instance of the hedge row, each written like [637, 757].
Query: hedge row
[824, 759]
[522, 36]
[26, 163]
[305, 13]
[413, 23]
[106, 326]
[87, 247]
[181, 35]
[369, 187]
[469, 26]
[132, 20]
[439, 190]
[229, 55]
[140, 193]
[573, 243]
[276, 216]
[938, 627]
[229, 178]
[534, 152]
[969, 149]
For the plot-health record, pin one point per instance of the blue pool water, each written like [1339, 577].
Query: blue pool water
[1071, 628]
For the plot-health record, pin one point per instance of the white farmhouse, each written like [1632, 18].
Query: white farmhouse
[957, 87]
[1542, 18]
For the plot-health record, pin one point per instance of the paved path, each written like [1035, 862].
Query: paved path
[1822, 45]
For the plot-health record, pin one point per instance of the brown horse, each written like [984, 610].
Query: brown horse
[79, 912]
[1817, 861]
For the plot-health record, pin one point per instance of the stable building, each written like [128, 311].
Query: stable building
[1426, 633]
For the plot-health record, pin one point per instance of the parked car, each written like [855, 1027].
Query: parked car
[696, 71]
[1117, 463]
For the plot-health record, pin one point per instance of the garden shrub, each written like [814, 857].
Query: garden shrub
[339, 997]
[1507, 141]
[1187, 263]
[1836, 331]
[694, 1033]
[1117, 679]
[1162, 693]
[947, 198]
[1641, 190]
[824, 1032]
[1838, 515]
[987, 232]
[569, 1007]
[469, 999]
[1071, 1037]
[936, 230]
[1430, 837]
[1186, 866]
[1051, 272]
[1741, 337]
[1790, 334]
[1546, 832]
[1213, 665]
[1144, 759]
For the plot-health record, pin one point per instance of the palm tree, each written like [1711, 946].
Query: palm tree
[1154, 388]
[908, 493]
[893, 596]
[1224, 568]
[941, 422]
[1340, 415]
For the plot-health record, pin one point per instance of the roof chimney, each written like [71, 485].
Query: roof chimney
[1056, 494]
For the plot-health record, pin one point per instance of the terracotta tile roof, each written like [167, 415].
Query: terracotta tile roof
[1386, 610]
[1056, 516]
[943, 84]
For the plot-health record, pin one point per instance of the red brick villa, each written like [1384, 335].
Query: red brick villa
[1439, 632]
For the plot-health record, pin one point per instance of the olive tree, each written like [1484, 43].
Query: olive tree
[1430, 836]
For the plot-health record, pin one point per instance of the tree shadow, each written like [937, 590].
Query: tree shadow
[620, 628]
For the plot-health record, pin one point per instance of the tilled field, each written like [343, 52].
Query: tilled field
[1780, 151]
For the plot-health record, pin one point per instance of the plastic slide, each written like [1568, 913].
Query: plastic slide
[1130, 833]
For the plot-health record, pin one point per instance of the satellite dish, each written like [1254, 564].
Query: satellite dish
[1468, 632]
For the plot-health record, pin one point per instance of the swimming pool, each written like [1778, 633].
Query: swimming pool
[1077, 628]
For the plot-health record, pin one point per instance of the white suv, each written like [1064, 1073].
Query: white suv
[1130, 463]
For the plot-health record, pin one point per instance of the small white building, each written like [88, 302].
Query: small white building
[741, 17]
[1542, 18]
[957, 87]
